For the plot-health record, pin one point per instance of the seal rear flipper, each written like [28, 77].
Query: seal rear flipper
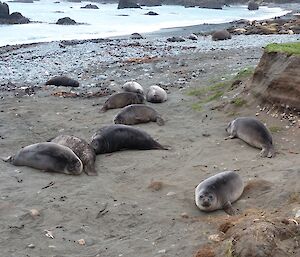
[7, 159]
[103, 109]
[227, 207]
[160, 121]
[90, 172]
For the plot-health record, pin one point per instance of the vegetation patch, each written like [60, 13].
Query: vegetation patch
[197, 106]
[239, 102]
[244, 73]
[289, 48]
[275, 129]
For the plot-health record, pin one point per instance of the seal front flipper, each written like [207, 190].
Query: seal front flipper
[8, 159]
[227, 207]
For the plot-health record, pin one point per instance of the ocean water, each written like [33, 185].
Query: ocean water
[108, 21]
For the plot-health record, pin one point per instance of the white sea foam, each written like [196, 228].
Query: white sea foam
[108, 21]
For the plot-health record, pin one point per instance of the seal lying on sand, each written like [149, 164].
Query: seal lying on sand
[138, 113]
[120, 100]
[63, 81]
[156, 94]
[133, 86]
[82, 149]
[118, 137]
[253, 132]
[219, 191]
[48, 156]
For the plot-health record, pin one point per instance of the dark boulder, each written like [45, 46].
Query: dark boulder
[24, 1]
[150, 2]
[221, 35]
[252, 6]
[63, 81]
[151, 13]
[18, 18]
[211, 4]
[4, 10]
[66, 21]
[90, 6]
[136, 36]
[175, 39]
[127, 4]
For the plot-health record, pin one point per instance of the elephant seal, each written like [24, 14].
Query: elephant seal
[253, 132]
[48, 156]
[156, 94]
[219, 191]
[63, 81]
[82, 149]
[221, 35]
[120, 100]
[133, 87]
[138, 113]
[114, 138]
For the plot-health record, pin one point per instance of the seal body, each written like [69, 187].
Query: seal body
[253, 132]
[63, 81]
[133, 86]
[82, 149]
[156, 94]
[138, 113]
[48, 156]
[118, 137]
[220, 35]
[219, 191]
[120, 100]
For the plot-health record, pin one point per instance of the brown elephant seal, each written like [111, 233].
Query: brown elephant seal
[63, 81]
[221, 35]
[82, 149]
[133, 86]
[138, 113]
[156, 94]
[253, 132]
[114, 138]
[48, 156]
[219, 192]
[120, 100]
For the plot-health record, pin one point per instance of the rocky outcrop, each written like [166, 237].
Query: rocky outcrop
[151, 13]
[220, 35]
[127, 4]
[276, 80]
[252, 6]
[13, 18]
[66, 21]
[211, 4]
[90, 6]
[150, 2]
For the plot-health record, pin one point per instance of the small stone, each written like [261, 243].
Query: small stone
[214, 238]
[184, 215]
[34, 213]
[171, 193]
[31, 246]
[81, 241]
[256, 114]
[162, 251]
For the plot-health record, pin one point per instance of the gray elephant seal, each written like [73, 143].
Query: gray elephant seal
[253, 132]
[82, 149]
[119, 137]
[133, 86]
[123, 99]
[219, 191]
[138, 113]
[63, 81]
[156, 94]
[48, 156]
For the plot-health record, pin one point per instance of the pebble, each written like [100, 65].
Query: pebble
[31, 246]
[171, 193]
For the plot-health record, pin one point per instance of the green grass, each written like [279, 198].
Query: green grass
[239, 102]
[215, 96]
[244, 73]
[289, 48]
[229, 250]
[197, 106]
[275, 129]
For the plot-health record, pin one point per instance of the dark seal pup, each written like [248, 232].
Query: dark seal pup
[119, 137]
[253, 132]
[123, 99]
[48, 156]
[138, 113]
[219, 191]
[63, 81]
[82, 149]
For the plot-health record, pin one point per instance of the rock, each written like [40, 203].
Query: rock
[4, 11]
[192, 37]
[150, 2]
[18, 18]
[136, 36]
[221, 35]
[63, 81]
[31, 246]
[66, 21]
[34, 213]
[90, 6]
[127, 4]
[151, 13]
[24, 1]
[175, 39]
[211, 4]
[276, 79]
[252, 6]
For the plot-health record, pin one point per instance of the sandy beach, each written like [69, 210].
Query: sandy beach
[117, 213]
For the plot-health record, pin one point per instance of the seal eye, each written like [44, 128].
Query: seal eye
[201, 196]
[210, 197]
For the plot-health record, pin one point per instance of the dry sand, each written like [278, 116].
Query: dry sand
[116, 213]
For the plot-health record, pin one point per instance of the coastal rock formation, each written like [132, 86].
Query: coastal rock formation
[151, 13]
[136, 36]
[150, 2]
[66, 21]
[276, 79]
[127, 4]
[252, 6]
[211, 4]
[175, 39]
[221, 35]
[90, 6]
[13, 18]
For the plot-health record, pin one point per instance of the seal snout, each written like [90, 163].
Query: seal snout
[206, 203]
